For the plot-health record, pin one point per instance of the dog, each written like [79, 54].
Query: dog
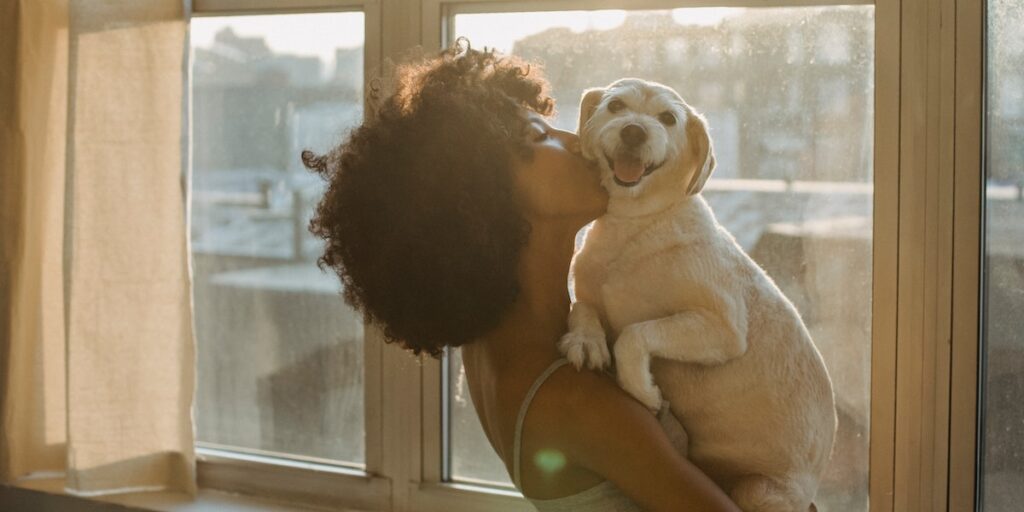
[690, 314]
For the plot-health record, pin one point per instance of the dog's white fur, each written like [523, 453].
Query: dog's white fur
[689, 310]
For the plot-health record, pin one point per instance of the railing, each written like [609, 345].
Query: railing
[297, 213]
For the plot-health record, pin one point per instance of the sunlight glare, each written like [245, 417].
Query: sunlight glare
[501, 30]
[549, 461]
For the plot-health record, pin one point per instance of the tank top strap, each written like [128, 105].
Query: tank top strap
[517, 439]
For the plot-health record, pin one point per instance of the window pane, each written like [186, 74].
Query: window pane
[472, 459]
[788, 93]
[1002, 458]
[279, 355]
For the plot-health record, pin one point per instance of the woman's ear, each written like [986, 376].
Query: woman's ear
[588, 104]
[702, 152]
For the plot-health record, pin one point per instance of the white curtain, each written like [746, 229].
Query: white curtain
[96, 347]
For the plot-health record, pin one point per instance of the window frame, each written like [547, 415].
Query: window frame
[437, 27]
[926, 263]
[968, 255]
[941, 186]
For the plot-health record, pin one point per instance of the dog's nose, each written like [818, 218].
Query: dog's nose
[633, 135]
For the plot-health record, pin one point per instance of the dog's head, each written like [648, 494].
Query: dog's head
[646, 140]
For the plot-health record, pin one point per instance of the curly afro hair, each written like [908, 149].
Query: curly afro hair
[420, 218]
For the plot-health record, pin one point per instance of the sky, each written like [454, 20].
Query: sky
[320, 34]
[316, 34]
[502, 30]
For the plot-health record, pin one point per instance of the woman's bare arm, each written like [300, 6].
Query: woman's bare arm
[604, 430]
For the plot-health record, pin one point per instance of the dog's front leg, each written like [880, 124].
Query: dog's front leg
[695, 336]
[585, 342]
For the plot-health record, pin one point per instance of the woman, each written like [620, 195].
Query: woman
[450, 217]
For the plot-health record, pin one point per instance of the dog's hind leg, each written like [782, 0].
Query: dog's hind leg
[756, 493]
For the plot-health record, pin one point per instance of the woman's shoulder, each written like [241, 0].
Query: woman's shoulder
[583, 408]
[561, 427]
[574, 387]
[605, 433]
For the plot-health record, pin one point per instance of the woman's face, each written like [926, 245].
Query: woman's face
[558, 183]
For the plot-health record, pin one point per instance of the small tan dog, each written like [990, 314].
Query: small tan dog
[691, 315]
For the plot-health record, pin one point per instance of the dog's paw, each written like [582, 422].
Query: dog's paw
[582, 347]
[632, 368]
[643, 389]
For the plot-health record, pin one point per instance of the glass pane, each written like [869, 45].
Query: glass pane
[473, 460]
[788, 93]
[1002, 457]
[279, 354]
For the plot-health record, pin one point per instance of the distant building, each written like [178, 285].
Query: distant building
[271, 326]
[247, 98]
[791, 111]
[237, 60]
[348, 68]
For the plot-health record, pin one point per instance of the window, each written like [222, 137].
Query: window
[832, 126]
[793, 135]
[472, 459]
[269, 324]
[1002, 432]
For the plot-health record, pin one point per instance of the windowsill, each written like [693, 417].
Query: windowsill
[49, 494]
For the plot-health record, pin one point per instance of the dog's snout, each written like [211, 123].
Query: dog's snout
[633, 135]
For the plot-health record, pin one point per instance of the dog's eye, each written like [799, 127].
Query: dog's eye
[615, 106]
[667, 118]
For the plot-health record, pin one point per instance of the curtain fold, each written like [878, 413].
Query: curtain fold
[33, 114]
[96, 341]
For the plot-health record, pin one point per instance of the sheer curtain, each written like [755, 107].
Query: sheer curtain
[96, 347]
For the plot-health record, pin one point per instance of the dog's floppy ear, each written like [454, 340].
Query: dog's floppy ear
[702, 153]
[588, 104]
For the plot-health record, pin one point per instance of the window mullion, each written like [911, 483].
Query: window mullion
[401, 423]
[968, 192]
[373, 343]
[401, 397]
[926, 245]
[884, 266]
[434, 410]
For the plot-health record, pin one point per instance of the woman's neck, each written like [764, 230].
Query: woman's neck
[501, 364]
[537, 319]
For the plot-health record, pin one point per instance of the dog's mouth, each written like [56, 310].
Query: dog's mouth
[628, 170]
